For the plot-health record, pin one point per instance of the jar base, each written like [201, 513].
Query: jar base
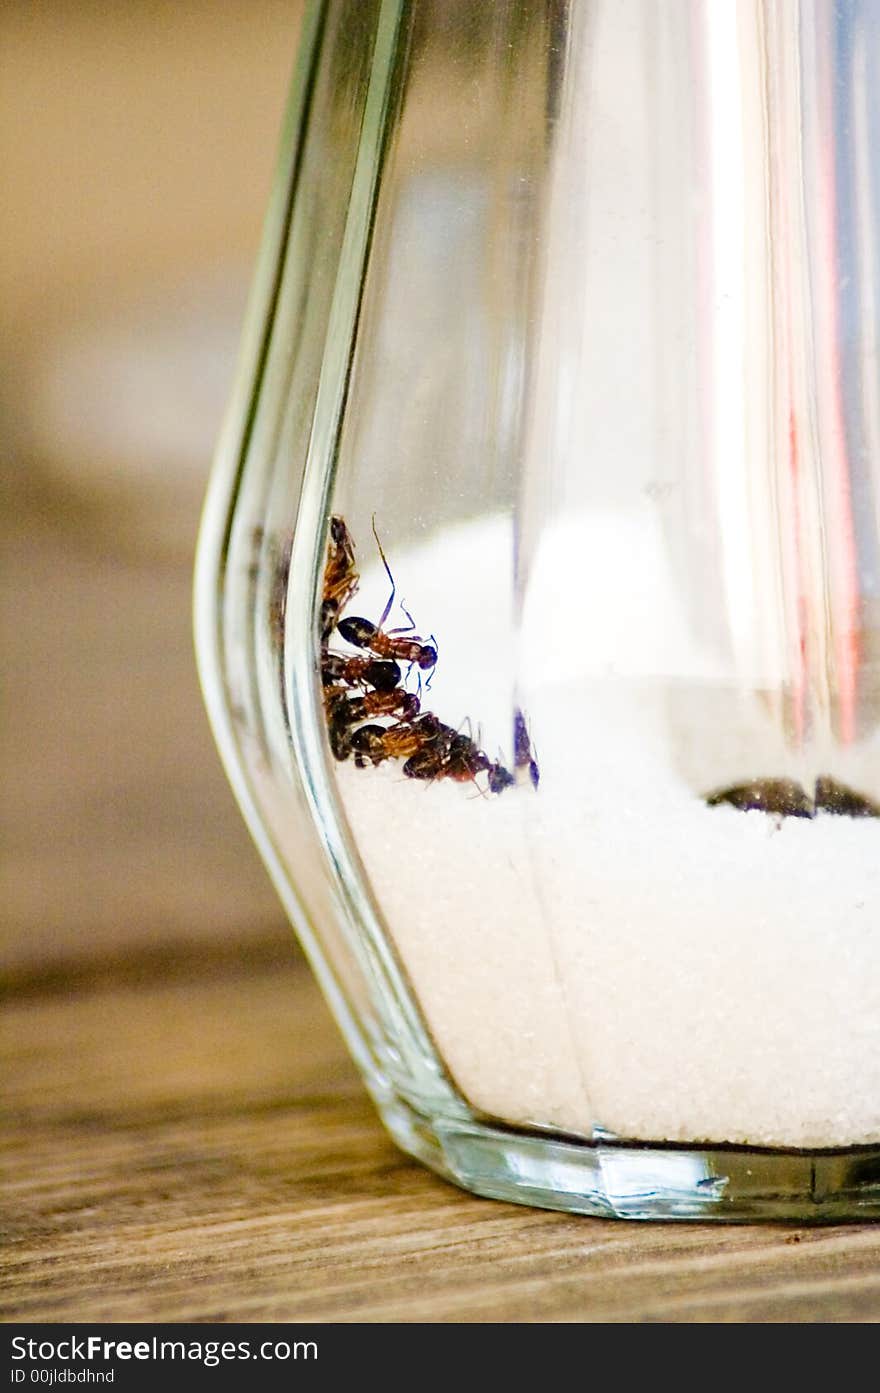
[613, 1179]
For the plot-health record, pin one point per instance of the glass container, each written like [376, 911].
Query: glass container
[537, 589]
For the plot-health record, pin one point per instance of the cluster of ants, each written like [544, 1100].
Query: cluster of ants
[363, 689]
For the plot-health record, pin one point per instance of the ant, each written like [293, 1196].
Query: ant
[453, 755]
[434, 750]
[500, 778]
[376, 703]
[363, 633]
[345, 712]
[401, 741]
[785, 798]
[523, 754]
[460, 760]
[340, 577]
[359, 672]
[832, 797]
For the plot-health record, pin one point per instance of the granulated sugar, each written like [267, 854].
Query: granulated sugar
[608, 951]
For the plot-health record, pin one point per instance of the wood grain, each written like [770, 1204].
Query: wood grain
[200, 1148]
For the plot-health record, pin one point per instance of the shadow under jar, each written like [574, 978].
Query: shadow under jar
[537, 589]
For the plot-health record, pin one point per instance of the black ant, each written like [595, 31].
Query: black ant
[363, 633]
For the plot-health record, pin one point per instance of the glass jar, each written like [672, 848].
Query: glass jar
[537, 589]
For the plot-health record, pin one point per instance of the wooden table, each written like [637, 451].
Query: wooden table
[184, 1137]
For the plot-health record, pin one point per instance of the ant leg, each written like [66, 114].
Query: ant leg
[466, 721]
[387, 610]
[404, 628]
[430, 678]
[409, 669]
[480, 793]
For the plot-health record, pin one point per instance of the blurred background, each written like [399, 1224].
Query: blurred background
[138, 147]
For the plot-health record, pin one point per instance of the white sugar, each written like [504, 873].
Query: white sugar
[609, 950]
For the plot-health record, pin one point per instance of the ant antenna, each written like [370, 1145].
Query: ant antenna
[387, 610]
[403, 628]
[430, 678]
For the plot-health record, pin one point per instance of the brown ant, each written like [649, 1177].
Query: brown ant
[781, 796]
[376, 703]
[363, 633]
[373, 744]
[344, 712]
[393, 703]
[465, 760]
[407, 738]
[785, 798]
[461, 760]
[359, 672]
[340, 577]
[450, 754]
[832, 797]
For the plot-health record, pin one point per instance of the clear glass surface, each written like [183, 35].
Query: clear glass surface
[566, 320]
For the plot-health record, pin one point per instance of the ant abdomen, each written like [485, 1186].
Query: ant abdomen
[383, 675]
[368, 745]
[356, 631]
[378, 673]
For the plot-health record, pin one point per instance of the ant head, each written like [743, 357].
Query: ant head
[499, 778]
